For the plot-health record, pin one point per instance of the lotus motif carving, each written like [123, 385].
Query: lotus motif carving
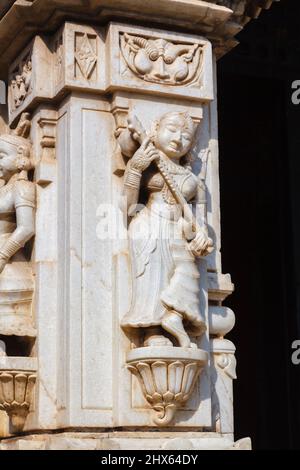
[167, 381]
[16, 394]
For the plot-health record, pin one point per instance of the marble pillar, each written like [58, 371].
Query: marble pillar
[103, 86]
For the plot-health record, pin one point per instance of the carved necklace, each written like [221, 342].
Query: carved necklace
[174, 169]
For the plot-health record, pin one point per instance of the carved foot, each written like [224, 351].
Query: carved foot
[172, 323]
[157, 340]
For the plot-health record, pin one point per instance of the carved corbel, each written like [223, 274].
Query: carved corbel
[45, 170]
[167, 377]
[17, 381]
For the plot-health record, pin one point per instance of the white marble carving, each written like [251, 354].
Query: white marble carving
[17, 380]
[79, 59]
[86, 54]
[130, 328]
[21, 82]
[167, 376]
[165, 239]
[161, 61]
[17, 227]
[30, 78]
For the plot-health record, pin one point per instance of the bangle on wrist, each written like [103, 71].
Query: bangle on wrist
[133, 178]
[9, 249]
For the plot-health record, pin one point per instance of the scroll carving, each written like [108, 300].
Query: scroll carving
[162, 61]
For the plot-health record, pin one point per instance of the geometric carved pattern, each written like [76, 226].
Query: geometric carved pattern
[85, 54]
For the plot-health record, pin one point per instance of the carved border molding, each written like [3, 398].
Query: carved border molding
[212, 18]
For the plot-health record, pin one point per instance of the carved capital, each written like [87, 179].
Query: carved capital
[17, 380]
[45, 169]
[48, 128]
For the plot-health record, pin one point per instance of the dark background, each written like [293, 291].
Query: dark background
[260, 203]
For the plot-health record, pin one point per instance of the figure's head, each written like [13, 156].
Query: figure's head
[15, 151]
[174, 134]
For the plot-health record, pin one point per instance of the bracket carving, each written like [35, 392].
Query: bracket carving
[162, 61]
[46, 167]
[16, 391]
[17, 381]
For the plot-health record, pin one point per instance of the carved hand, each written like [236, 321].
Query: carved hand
[144, 156]
[201, 245]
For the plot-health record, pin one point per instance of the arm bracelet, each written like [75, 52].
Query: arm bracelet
[133, 178]
[9, 249]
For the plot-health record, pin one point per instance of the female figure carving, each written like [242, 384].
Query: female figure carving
[17, 226]
[165, 277]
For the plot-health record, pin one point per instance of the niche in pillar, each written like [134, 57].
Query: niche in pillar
[167, 345]
[161, 272]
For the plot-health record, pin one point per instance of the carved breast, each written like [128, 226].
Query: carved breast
[186, 181]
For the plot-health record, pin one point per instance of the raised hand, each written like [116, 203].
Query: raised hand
[143, 157]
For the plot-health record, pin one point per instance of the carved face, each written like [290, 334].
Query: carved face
[8, 160]
[174, 135]
[161, 61]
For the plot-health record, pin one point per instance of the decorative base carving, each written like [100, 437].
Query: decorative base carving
[17, 379]
[167, 376]
[126, 441]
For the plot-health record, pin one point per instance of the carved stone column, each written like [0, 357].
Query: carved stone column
[117, 348]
